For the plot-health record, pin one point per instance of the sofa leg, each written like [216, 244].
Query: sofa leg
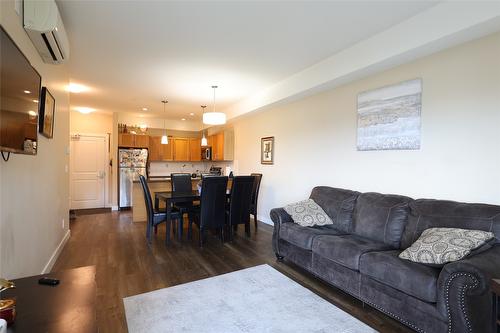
[279, 257]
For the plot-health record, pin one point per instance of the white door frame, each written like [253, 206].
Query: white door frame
[106, 165]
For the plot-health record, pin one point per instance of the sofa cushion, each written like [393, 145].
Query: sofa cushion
[429, 213]
[414, 279]
[303, 236]
[345, 250]
[307, 213]
[381, 217]
[438, 246]
[337, 203]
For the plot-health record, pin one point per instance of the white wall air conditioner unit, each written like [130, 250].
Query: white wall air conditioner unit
[45, 28]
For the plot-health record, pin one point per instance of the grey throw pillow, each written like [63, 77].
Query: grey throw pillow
[308, 213]
[438, 246]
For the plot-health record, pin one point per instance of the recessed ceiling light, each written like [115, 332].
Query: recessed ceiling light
[27, 92]
[183, 119]
[32, 113]
[144, 109]
[35, 101]
[77, 88]
[84, 109]
[191, 114]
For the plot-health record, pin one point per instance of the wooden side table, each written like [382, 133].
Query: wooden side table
[69, 307]
[495, 289]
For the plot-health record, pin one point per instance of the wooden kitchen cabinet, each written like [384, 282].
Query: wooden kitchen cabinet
[195, 149]
[126, 140]
[133, 140]
[155, 148]
[159, 152]
[222, 144]
[181, 149]
[167, 151]
[141, 141]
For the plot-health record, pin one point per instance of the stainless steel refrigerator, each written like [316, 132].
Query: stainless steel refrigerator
[131, 163]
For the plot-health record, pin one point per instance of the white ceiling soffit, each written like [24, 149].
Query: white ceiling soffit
[440, 27]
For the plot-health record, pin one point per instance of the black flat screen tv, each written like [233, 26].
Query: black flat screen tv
[20, 87]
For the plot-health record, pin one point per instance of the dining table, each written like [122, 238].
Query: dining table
[171, 198]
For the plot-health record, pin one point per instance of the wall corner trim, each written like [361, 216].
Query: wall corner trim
[57, 252]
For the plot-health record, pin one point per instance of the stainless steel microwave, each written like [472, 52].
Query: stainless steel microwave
[206, 153]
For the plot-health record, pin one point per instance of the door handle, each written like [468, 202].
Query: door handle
[101, 174]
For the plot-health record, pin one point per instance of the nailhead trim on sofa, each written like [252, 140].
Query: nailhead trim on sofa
[463, 305]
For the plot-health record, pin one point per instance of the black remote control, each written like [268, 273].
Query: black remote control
[48, 281]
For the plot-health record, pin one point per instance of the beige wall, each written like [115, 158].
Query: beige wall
[315, 138]
[92, 123]
[35, 189]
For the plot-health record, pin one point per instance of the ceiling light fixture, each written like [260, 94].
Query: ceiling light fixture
[84, 109]
[214, 118]
[183, 119]
[27, 92]
[204, 141]
[191, 114]
[164, 138]
[77, 88]
[35, 101]
[144, 109]
[32, 113]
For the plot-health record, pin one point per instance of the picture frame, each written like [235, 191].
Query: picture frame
[267, 150]
[46, 113]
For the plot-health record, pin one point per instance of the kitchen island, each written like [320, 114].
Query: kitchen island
[156, 184]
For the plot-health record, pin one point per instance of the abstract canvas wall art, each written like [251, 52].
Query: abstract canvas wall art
[389, 117]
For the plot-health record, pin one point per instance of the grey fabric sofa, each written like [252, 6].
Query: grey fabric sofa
[359, 254]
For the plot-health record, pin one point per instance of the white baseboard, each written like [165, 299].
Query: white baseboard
[56, 253]
[265, 219]
[114, 207]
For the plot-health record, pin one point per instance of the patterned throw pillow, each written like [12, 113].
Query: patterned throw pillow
[439, 246]
[308, 213]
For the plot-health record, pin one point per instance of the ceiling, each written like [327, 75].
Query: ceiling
[132, 54]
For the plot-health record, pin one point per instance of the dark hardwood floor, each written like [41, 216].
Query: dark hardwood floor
[126, 265]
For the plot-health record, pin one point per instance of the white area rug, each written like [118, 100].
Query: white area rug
[258, 299]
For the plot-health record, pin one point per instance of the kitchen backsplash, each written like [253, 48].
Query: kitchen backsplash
[157, 169]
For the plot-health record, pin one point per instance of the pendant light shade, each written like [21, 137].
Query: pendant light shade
[164, 138]
[214, 118]
[204, 141]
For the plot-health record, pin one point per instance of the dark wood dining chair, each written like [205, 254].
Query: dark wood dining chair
[255, 196]
[154, 217]
[239, 203]
[181, 183]
[211, 214]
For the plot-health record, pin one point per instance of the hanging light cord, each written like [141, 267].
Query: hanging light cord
[215, 87]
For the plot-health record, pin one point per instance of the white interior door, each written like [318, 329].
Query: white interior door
[88, 171]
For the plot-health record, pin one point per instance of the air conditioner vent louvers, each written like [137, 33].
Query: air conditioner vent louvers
[47, 44]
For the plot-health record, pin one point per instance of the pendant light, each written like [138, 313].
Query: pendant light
[204, 141]
[214, 118]
[164, 138]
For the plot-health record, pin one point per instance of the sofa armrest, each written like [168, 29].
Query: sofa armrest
[278, 216]
[464, 295]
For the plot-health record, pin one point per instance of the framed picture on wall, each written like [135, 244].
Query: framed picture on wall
[267, 150]
[47, 114]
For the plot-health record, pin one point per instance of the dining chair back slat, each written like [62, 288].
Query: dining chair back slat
[213, 202]
[239, 205]
[181, 182]
[255, 195]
